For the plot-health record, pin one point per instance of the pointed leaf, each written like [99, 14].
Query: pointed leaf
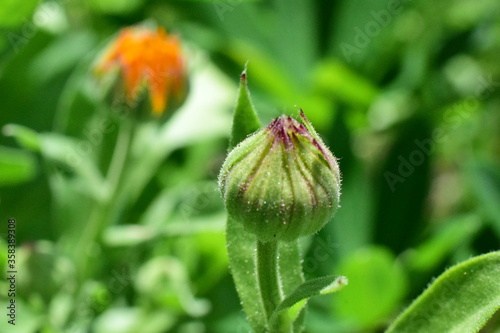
[319, 286]
[25, 137]
[461, 300]
[245, 119]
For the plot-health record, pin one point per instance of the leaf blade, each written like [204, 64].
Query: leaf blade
[245, 119]
[319, 286]
[461, 300]
[241, 248]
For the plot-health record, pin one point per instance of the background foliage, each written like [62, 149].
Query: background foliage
[405, 93]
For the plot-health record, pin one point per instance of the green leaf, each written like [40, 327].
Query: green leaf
[461, 300]
[70, 152]
[296, 300]
[66, 151]
[16, 166]
[241, 248]
[242, 245]
[24, 136]
[245, 119]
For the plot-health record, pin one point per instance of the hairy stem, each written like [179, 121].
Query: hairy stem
[269, 284]
[267, 272]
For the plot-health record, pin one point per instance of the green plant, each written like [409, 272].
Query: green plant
[264, 254]
[279, 184]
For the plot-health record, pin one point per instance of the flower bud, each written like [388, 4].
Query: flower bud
[281, 182]
[150, 69]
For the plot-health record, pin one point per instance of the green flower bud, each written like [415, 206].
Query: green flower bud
[281, 182]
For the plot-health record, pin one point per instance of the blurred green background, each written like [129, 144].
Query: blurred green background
[405, 93]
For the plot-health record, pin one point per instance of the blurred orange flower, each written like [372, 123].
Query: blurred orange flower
[147, 57]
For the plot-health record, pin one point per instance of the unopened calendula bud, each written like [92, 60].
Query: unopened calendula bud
[141, 63]
[282, 182]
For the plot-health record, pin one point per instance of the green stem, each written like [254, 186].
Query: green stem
[104, 211]
[269, 284]
[267, 275]
[120, 156]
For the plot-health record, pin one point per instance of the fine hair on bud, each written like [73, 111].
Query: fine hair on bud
[282, 182]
